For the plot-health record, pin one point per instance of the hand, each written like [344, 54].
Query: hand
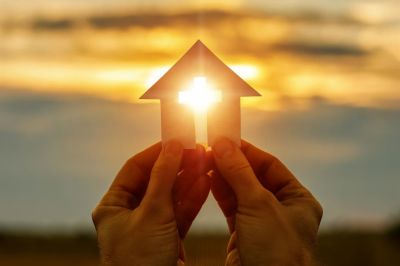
[272, 218]
[138, 221]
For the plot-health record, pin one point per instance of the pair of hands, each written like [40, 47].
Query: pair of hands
[147, 212]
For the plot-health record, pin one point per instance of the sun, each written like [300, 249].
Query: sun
[200, 95]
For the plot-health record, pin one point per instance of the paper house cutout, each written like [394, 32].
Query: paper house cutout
[223, 118]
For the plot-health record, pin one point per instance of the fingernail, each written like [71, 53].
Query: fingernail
[223, 148]
[173, 148]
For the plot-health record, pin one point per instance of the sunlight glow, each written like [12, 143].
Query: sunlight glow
[246, 71]
[200, 95]
[156, 75]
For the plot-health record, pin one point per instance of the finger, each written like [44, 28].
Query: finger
[210, 164]
[192, 167]
[163, 175]
[187, 208]
[225, 198]
[232, 242]
[194, 158]
[273, 174]
[191, 189]
[129, 185]
[236, 170]
[182, 254]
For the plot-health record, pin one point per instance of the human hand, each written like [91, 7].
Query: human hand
[146, 213]
[272, 218]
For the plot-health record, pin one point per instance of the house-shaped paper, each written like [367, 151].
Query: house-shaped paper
[223, 117]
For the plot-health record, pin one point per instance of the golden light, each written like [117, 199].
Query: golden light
[155, 75]
[200, 95]
[247, 72]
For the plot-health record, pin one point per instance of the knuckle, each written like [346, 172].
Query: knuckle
[274, 161]
[317, 209]
[238, 167]
[96, 216]
[131, 162]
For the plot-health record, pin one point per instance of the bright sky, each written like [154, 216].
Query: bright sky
[342, 58]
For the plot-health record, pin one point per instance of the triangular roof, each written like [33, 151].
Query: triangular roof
[199, 61]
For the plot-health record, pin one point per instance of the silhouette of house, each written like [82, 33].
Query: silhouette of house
[223, 118]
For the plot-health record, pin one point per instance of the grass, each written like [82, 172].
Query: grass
[334, 248]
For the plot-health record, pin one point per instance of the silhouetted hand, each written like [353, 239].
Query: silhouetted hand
[272, 218]
[147, 211]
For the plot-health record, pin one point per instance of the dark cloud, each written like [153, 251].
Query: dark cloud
[151, 20]
[186, 18]
[230, 29]
[53, 24]
[322, 49]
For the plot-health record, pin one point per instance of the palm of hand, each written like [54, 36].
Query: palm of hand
[274, 219]
[139, 221]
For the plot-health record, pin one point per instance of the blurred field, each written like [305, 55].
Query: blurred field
[334, 248]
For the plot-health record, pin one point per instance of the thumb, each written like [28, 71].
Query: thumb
[163, 175]
[236, 170]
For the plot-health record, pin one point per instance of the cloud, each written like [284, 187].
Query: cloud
[322, 49]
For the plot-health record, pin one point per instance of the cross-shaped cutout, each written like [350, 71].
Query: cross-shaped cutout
[200, 95]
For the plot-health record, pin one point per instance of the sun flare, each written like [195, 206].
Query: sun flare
[200, 95]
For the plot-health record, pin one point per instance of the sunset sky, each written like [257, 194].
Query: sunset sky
[117, 49]
[71, 73]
